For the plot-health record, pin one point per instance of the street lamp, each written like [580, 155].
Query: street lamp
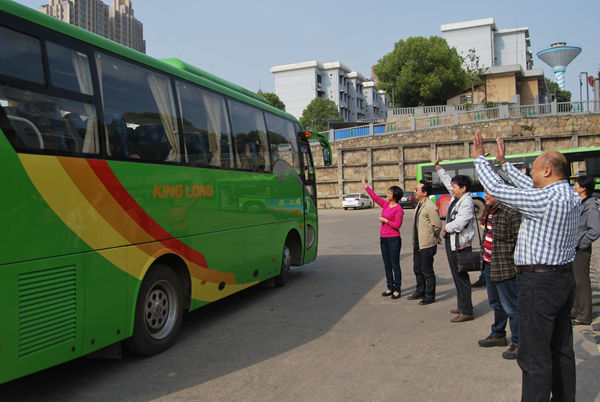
[587, 88]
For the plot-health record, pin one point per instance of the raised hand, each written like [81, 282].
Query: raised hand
[364, 181]
[500, 150]
[478, 148]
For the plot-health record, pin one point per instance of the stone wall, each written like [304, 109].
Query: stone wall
[392, 159]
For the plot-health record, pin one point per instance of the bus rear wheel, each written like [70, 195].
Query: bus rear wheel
[286, 263]
[158, 312]
[479, 206]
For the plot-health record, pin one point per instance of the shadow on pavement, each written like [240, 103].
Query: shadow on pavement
[224, 337]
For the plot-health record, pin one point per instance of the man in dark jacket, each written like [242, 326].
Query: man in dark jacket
[500, 230]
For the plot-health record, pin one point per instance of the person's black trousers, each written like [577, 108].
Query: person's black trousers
[546, 336]
[423, 268]
[462, 282]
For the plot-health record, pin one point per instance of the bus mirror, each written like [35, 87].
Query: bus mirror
[325, 146]
[326, 156]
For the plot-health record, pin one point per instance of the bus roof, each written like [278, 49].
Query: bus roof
[179, 68]
[522, 155]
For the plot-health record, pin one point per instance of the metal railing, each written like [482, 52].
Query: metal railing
[406, 121]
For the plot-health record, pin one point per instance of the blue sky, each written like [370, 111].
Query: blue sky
[241, 40]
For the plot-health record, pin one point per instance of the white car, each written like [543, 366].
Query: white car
[357, 200]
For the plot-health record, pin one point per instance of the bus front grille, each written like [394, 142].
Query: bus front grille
[47, 308]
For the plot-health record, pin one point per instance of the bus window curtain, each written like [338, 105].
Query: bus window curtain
[214, 106]
[99, 69]
[259, 120]
[161, 91]
[82, 71]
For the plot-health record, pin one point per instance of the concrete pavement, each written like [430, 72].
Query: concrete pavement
[326, 336]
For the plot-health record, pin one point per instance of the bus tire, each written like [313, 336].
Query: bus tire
[158, 312]
[286, 263]
[479, 206]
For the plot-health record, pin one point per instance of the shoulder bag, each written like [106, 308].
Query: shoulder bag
[467, 261]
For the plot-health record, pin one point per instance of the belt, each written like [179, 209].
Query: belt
[544, 268]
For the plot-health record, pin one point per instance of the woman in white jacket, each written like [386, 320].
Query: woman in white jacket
[459, 220]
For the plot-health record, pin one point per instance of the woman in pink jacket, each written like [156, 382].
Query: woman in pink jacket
[390, 241]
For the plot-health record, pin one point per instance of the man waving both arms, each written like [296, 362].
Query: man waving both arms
[544, 255]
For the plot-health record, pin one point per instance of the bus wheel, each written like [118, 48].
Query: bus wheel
[158, 312]
[286, 262]
[479, 207]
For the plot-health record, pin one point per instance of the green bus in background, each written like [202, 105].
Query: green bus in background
[133, 189]
[581, 161]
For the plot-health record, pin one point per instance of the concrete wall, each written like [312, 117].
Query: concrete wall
[392, 159]
[296, 89]
[480, 38]
[528, 89]
[501, 88]
[510, 48]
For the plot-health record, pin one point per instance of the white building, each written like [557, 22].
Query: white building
[356, 97]
[493, 46]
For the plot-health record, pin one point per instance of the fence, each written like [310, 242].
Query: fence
[450, 115]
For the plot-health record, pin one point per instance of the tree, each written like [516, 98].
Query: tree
[471, 63]
[273, 99]
[421, 71]
[318, 112]
[560, 95]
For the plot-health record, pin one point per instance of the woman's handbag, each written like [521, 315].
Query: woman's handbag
[467, 261]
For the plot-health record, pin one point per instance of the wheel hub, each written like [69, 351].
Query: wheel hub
[157, 309]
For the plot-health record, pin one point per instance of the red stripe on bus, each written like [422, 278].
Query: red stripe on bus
[129, 205]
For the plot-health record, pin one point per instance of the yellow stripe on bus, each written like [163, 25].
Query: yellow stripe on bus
[65, 199]
[209, 291]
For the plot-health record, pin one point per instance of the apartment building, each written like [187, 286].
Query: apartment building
[116, 22]
[494, 47]
[356, 97]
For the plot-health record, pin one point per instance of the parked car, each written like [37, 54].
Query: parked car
[357, 200]
[408, 200]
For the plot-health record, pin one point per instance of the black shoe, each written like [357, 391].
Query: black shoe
[577, 322]
[478, 284]
[387, 293]
[511, 353]
[394, 296]
[428, 300]
[415, 296]
[491, 341]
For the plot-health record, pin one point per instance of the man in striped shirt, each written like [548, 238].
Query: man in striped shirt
[500, 230]
[544, 254]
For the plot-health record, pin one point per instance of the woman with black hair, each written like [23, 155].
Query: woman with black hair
[390, 241]
[589, 230]
[458, 234]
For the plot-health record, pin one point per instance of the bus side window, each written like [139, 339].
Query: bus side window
[206, 132]
[21, 56]
[249, 137]
[142, 111]
[69, 69]
[282, 137]
[50, 124]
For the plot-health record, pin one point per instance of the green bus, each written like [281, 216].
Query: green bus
[134, 189]
[581, 161]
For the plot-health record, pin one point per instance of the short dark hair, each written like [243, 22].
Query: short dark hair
[397, 192]
[586, 182]
[427, 187]
[462, 181]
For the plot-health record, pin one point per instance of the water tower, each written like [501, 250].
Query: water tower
[558, 56]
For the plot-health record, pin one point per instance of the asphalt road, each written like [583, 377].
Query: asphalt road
[326, 336]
